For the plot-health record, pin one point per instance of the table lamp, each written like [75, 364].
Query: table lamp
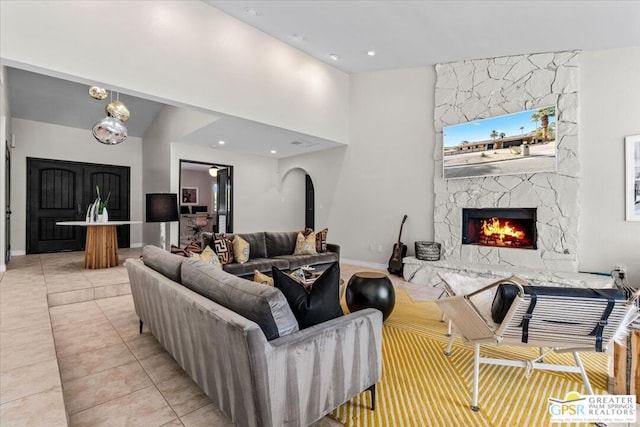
[162, 208]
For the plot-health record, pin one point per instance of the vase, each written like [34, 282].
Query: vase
[104, 216]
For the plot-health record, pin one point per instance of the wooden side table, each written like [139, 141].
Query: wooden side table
[101, 244]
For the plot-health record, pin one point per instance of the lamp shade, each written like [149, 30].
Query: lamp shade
[162, 207]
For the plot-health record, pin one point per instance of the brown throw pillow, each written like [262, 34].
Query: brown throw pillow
[193, 248]
[321, 240]
[224, 248]
[179, 251]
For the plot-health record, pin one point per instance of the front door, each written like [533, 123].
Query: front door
[62, 191]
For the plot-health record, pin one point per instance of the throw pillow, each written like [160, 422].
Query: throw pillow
[179, 251]
[318, 305]
[305, 245]
[208, 256]
[240, 250]
[262, 278]
[193, 247]
[321, 240]
[224, 248]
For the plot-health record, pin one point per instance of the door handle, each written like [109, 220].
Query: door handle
[79, 209]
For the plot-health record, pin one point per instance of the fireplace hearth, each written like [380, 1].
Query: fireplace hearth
[500, 227]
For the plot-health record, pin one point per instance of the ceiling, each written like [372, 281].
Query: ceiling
[34, 96]
[402, 33]
[419, 33]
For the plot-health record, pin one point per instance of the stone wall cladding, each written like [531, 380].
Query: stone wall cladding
[478, 89]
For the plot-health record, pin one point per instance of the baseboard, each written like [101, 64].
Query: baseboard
[373, 265]
[136, 245]
[18, 253]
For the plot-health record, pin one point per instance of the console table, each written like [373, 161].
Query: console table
[101, 245]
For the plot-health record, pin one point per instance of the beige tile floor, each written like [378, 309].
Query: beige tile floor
[71, 335]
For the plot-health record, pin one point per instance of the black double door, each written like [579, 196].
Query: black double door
[62, 191]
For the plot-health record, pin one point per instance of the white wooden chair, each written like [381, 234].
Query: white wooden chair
[555, 323]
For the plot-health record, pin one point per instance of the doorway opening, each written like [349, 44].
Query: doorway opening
[206, 199]
[309, 205]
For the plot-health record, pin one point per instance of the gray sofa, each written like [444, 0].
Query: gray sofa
[293, 379]
[271, 248]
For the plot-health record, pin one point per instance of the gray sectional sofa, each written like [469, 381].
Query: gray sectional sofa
[271, 248]
[240, 342]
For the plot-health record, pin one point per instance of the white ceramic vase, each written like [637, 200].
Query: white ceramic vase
[105, 216]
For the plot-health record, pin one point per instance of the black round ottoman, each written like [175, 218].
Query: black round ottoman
[370, 290]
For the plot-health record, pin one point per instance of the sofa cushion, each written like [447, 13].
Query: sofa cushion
[305, 244]
[163, 262]
[297, 261]
[320, 304]
[208, 256]
[257, 244]
[241, 249]
[262, 278]
[280, 243]
[263, 305]
[321, 240]
[260, 264]
[224, 248]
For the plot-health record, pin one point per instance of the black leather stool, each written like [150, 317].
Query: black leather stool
[370, 290]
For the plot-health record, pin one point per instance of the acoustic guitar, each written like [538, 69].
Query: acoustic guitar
[399, 252]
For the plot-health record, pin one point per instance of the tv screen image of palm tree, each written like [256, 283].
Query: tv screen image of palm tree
[523, 142]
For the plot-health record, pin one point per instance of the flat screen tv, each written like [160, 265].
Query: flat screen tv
[517, 143]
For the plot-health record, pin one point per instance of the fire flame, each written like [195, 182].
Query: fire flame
[492, 227]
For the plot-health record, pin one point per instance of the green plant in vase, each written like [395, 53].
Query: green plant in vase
[102, 205]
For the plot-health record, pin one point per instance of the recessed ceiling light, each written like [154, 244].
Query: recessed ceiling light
[273, 151]
[298, 37]
[251, 12]
[221, 142]
[371, 52]
[334, 56]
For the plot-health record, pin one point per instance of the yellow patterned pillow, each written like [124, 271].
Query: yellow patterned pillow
[262, 278]
[208, 256]
[240, 250]
[306, 245]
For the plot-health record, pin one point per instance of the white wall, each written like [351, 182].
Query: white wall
[363, 191]
[203, 182]
[171, 124]
[610, 110]
[42, 140]
[182, 51]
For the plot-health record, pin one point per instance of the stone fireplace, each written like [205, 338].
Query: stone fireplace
[513, 228]
[478, 89]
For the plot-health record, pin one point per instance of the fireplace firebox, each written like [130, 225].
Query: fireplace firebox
[500, 227]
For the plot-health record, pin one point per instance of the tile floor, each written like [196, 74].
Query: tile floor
[71, 335]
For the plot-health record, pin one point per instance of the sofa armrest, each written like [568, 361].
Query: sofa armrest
[331, 247]
[307, 374]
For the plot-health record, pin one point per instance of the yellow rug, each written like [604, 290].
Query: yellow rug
[420, 386]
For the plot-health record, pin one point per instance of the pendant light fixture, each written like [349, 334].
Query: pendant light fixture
[213, 171]
[110, 130]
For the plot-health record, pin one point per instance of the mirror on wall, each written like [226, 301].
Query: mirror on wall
[206, 199]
